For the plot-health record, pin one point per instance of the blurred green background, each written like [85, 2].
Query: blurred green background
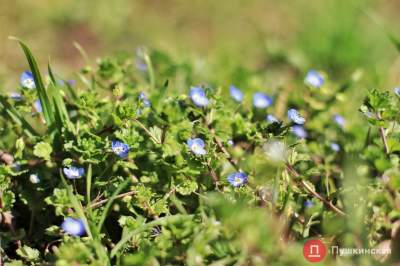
[334, 35]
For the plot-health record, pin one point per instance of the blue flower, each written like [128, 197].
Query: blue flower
[16, 96]
[196, 145]
[261, 100]
[272, 119]
[73, 172]
[314, 79]
[26, 80]
[308, 204]
[237, 179]
[294, 115]
[198, 96]
[339, 120]
[236, 93]
[140, 63]
[144, 100]
[230, 142]
[397, 91]
[119, 148]
[335, 146]
[299, 131]
[73, 226]
[38, 106]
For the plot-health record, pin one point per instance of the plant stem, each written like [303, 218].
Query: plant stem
[101, 202]
[147, 131]
[108, 205]
[150, 70]
[222, 148]
[313, 192]
[383, 136]
[88, 184]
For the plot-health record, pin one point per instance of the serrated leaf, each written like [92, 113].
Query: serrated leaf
[43, 150]
[156, 132]
[187, 187]
[28, 253]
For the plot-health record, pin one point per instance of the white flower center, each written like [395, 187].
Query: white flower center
[196, 148]
[118, 149]
[29, 83]
[237, 181]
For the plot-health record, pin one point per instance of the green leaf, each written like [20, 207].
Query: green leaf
[43, 150]
[28, 253]
[187, 187]
[156, 132]
[20, 146]
[17, 117]
[161, 221]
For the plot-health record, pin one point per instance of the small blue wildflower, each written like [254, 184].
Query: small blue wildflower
[198, 96]
[119, 148]
[272, 119]
[60, 82]
[73, 226]
[140, 63]
[296, 117]
[73, 172]
[16, 96]
[314, 79]
[144, 100]
[397, 91]
[308, 204]
[26, 80]
[38, 106]
[339, 120]
[237, 179]
[261, 100]
[299, 131]
[34, 178]
[236, 93]
[335, 146]
[230, 142]
[196, 145]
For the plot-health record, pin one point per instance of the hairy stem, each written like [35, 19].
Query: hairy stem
[313, 192]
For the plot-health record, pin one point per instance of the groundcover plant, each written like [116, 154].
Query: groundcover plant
[133, 163]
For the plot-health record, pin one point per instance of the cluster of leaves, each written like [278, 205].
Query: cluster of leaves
[161, 202]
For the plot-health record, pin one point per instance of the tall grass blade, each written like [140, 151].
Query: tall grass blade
[109, 203]
[77, 206]
[60, 109]
[48, 112]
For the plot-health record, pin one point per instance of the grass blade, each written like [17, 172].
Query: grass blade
[109, 203]
[60, 109]
[88, 185]
[77, 206]
[43, 95]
